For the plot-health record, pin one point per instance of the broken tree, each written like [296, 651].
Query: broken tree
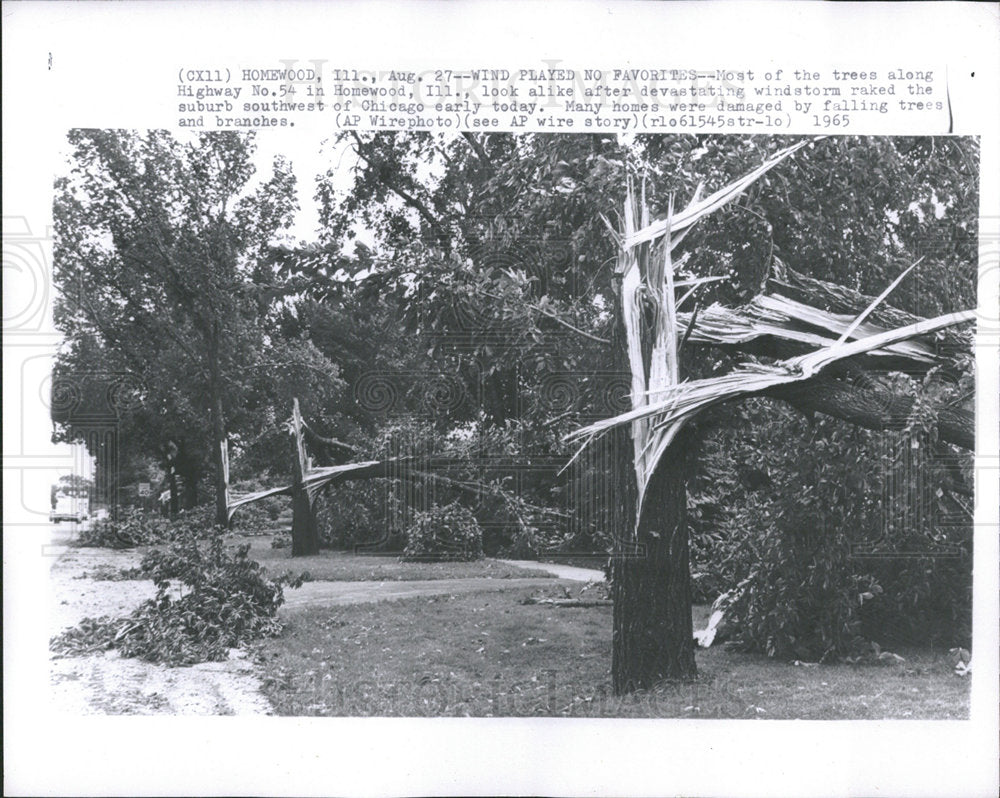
[650, 572]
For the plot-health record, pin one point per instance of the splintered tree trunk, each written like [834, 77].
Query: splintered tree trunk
[305, 530]
[218, 438]
[650, 572]
[218, 421]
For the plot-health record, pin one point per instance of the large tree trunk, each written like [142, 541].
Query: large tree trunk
[651, 587]
[190, 481]
[305, 529]
[218, 434]
[650, 572]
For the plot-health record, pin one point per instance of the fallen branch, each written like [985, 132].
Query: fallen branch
[569, 602]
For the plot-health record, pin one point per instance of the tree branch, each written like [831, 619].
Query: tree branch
[554, 317]
[479, 149]
[876, 410]
[404, 195]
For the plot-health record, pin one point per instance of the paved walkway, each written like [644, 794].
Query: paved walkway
[313, 594]
[562, 571]
[340, 593]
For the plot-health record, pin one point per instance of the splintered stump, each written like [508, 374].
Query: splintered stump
[305, 530]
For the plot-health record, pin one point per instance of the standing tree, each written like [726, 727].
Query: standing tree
[159, 246]
[652, 634]
[651, 573]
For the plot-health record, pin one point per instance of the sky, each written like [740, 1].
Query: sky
[315, 156]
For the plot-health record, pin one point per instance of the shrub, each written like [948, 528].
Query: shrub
[354, 514]
[226, 599]
[800, 598]
[450, 532]
[256, 518]
[815, 601]
[925, 600]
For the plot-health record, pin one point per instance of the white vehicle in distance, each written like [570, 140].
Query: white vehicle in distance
[70, 508]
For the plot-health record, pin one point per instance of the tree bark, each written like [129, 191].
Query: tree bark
[305, 529]
[190, 482]
[218, 422]
[651, 587]
[652, 635]
[172, 479]
[218, 437]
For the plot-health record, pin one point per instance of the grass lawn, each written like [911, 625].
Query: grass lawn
[489, 656]
[339, 566]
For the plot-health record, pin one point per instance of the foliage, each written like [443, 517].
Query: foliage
[225, 600]
[448, 532]
[71, 485]
[850, 210]
[159, 258]
[257, 518]
[790, 512]
[132, 527]
[800, 599]
[923, 599]
[355, 514]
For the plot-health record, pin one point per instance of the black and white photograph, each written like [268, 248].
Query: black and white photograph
[397, 407]
[562, 426]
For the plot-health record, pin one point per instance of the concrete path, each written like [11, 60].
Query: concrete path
[561, 571]
[313, 594]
